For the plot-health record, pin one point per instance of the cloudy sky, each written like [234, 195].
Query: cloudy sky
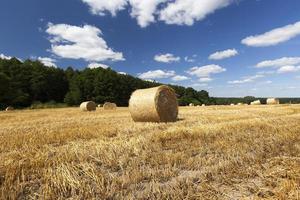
[229, 47]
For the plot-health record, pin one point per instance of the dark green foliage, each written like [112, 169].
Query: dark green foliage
[22, 83]
[31, 83]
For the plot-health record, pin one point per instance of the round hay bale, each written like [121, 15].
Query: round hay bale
[203, 105]
[158, 104]
[191, 104]
[88, 106]
[257, 102]
[100, 105]
[273, 101]
[240, 104]
[109, 106]
[9, 108]
[232, 104]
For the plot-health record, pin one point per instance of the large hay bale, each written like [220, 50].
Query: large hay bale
[240, 104]
[257, 102]
[158, 104]
[232, 104]
[273, 101]
[9, 108]
[203, 105]
[88, 106]
[191, 104]
[109, 106]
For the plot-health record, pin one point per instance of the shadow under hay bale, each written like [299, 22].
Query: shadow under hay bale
[158, 104]
[9, 108]
[88, 106]
[109, 106]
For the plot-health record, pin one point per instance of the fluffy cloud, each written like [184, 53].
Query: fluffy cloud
[97, 65]
[181, 12]
[186, 12]
[219, 55]
[288, 69]
[274, 36]
[205, 71]
[123, 73]
[166, 58]
[143, 10]
[279, 62]
[99, 7]
[2, 56]
[80, 43]
[49, 62]
[157, 74]
[179, 78]
[205, 79]
[5, 57]
[247, 79]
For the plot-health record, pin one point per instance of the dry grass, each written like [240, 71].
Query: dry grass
[218, 152]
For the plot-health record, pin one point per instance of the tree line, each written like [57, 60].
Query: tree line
[30, 82]
[25, 83]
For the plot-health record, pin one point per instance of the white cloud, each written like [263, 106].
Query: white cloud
[279, 62]
[143, 10]
[99, 7]
[188, 59]
[80, 43]
[186, 12]
[266, 72]
[182, 12]
[5, 57]
[179, 78]
[219, 55]
[2, 56]
[268, 82]
[97, 65]
[274, 36]
[166, 58]
[246, 79]
[205, 79]
[49, 62]
[288, 69]
[123, 73]
[157, 74]
[205, 71]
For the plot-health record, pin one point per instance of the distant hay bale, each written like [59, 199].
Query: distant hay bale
[100, 105]
[273, 101]
[109, 106]
[191, 104]
[88, 106]
[232, 104]
[203, 105]
[158, 104]
[240, 104]
[9, 108]
[257, 102]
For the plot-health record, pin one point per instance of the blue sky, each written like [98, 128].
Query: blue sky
[228, 47]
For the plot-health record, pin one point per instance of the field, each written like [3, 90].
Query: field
[215, 152]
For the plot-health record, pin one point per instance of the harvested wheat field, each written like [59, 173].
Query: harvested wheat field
[212, 152]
